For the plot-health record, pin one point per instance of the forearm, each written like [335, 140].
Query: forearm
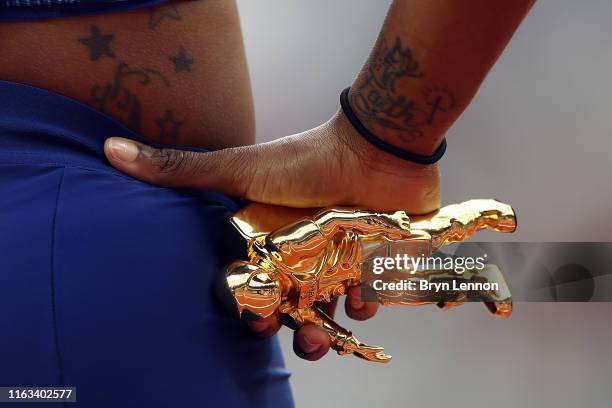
[428, 63]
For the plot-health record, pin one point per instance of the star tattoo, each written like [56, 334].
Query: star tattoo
[158, 14]
[168, 125]
[98, 44]
[182, 61]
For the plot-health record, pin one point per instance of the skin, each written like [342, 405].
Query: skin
[82, 55]
[430, 58]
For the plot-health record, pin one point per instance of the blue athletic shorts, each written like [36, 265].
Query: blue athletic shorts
[106, 283]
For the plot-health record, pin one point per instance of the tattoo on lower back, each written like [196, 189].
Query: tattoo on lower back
[161, 13]
[117, 98]
[99, 44]
[182, 61]
[168, 126]
[375, 98]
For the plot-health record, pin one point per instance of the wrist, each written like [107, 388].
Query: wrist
[400, 127]
[369, 154]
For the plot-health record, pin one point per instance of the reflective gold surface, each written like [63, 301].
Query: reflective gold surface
[301, 256]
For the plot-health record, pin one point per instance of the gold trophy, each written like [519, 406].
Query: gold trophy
[298, 257]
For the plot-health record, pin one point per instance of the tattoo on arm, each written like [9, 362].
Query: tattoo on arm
[439, 100]
[375, 98]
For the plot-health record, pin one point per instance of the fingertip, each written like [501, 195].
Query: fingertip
[353, 298]
[356, 308]
[264, 327]
[121, 150]
[311, 342]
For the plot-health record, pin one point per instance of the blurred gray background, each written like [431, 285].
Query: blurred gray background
[537, 135]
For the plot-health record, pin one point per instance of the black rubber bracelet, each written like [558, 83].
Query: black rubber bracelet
[381, 144]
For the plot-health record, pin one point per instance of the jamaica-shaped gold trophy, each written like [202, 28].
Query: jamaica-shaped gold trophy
[299, 257]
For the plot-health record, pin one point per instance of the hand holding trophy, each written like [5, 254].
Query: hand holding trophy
[297, 258]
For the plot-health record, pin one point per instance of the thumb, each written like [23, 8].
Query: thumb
[228, 171]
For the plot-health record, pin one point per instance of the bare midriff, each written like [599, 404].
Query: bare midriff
[176, 73]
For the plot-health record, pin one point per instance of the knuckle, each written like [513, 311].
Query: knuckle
[230, 167]
[240, 170]
[170, 160]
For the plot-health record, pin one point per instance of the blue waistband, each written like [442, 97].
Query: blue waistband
[25, 10]
[45, 128]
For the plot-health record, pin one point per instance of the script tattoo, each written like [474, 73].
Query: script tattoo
[118, 100]
[375, 97]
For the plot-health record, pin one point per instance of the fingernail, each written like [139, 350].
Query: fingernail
[308, 346]
[259, 326]
[356, 303]
[123, 149]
